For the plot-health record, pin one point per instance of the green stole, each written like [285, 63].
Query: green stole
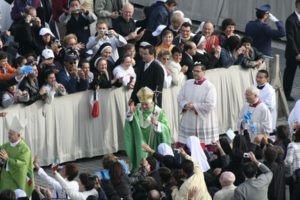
[140, 131]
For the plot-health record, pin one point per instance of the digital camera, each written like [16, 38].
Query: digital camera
[76, 11]
[246, 155]
[108, 34]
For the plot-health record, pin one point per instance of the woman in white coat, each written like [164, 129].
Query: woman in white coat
[86, 186]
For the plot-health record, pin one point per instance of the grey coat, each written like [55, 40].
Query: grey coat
[255, 188]
[104, 8]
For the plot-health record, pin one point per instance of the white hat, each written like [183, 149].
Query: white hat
[20, 193]
[158, 30]
[143, 44]
[188, 20]
[161, 0]
[47, 53]
[164, 149]
[16, 125]
[45, 31]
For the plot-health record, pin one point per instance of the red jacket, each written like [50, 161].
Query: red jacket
[57, 8]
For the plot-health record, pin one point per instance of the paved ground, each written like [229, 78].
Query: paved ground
[88, 165]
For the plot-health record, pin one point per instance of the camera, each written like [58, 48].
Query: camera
[33, 20]
[246, 155]
[177, 151]
[108, 34]
[76, 11]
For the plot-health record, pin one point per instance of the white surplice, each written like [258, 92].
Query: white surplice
[261, 119]
[203, 122]
[267, 95]
[294, 116]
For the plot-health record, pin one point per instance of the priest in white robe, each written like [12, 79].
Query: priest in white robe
[267, 94]
[294, 117]
[197, 101]
[255, 115]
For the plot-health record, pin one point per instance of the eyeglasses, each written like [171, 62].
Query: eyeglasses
[72, 44]
[197, 71]
[72, 62]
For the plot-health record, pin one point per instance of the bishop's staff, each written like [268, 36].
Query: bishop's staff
[156, 93]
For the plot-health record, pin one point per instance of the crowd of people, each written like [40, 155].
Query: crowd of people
[67, 46]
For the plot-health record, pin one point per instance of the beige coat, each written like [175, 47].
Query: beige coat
[196, 180]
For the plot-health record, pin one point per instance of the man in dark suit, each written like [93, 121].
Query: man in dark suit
[149, 74]
[70, 77]
[190, 50]
[292, 50]
[185, 34]
[261, 33]
[159, 13]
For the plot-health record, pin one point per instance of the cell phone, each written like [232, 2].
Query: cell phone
[246, 155]
[76, 11]
[176, 150]
[108, 33]
[211, 148]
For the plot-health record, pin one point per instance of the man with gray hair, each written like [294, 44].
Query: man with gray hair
[226, 180]
[255, 115]
[177, 19]
[125, 25]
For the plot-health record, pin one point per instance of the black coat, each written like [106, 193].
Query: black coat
[292, 26]
[32, 89]
[80, 27]
[27, 37]
[102, 80]
[277, 186]
[6, 83]
[207, 59]
[153, 78]
[188, 61]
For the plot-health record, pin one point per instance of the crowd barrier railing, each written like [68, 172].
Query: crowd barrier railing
[66, 131]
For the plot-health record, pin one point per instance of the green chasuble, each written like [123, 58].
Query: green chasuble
[140, 131]
[18, 170]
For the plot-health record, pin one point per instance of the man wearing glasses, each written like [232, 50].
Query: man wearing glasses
[261, 33]
[197, 101]
[70, 76]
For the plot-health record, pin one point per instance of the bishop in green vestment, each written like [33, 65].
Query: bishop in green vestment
[145, 123]
[17, 171]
